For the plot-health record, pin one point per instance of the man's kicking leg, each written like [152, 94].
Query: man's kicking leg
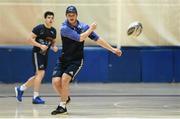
[61, 86]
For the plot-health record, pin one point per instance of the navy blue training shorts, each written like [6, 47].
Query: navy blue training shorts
[71, 68]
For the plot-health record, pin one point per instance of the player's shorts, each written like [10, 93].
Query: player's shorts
[70, 68]
[39, 61]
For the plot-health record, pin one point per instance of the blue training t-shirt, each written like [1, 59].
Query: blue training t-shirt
[72, 48]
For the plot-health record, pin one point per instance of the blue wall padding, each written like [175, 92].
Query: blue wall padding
[157, 65]
[16, 64]
[137, 64]
[5, 68]
[176, 65]
[95, 66]
[21, 64]
[126, 68]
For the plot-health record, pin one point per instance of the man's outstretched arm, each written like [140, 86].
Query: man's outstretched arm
[107, 46]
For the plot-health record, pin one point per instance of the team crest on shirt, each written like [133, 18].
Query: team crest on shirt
[52, 32]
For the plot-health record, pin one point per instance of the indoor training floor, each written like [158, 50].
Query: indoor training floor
[103, 100]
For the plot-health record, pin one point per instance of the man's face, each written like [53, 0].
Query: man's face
[49, 20]
[71, 17]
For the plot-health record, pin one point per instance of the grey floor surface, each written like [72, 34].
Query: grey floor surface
[121, 100]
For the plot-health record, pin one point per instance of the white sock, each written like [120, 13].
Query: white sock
[62, 104]
[36, 94]
[23, 87]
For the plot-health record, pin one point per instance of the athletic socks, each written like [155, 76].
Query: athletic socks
[63, 104]
[23, 87]
[36, 94]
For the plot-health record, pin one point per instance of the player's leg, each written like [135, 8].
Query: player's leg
[40, 62]
[19, 90]
[69, 73]
[57, 85]
[66, 78]
[29, 82]
[34, 80]
[37, 81]
[61, 86]
[56, 78]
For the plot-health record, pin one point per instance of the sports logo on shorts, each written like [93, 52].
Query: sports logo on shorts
[71, 72]
[54, 72]
[41, 66]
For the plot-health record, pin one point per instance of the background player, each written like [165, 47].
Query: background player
[42, 38]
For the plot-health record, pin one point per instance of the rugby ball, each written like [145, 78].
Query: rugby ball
[134, 29]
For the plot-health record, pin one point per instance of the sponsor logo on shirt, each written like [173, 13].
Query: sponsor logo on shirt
[41, 32]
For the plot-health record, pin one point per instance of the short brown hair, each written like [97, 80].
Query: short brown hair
[48, 13]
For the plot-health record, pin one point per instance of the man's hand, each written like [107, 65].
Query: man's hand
[43, 47]
[84, 35]
[93, 26]
[117, 51]
[55, 48]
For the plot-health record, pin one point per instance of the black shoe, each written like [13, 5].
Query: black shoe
[59, 110]
[68, 100]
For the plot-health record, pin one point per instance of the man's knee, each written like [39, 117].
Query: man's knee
[40, 74]
[66, 78]
[56, 81]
